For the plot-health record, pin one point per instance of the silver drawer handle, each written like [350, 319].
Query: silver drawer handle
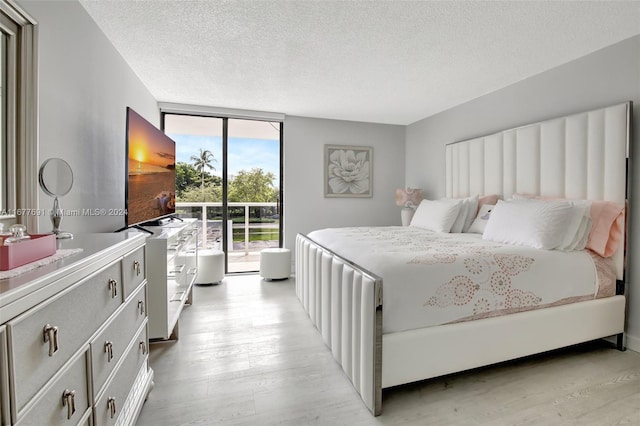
[136, 267]
[68, 400]
[50, 334]
[113, 287]
[111, 405]
[141, 307]
[108, 348]
[143, 347]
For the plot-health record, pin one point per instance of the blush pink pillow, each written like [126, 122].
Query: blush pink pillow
[607, 227]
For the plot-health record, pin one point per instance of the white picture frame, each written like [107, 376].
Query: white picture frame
[348, 171]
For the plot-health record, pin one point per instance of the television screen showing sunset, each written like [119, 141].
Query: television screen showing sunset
[151, 171]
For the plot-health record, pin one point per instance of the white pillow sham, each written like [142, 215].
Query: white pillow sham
[466, 215]
[480, 222]
[577, 233]
[533, 223]
[580, 221]
[436, 215]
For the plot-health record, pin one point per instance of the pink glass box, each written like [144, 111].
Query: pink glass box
[35, 248]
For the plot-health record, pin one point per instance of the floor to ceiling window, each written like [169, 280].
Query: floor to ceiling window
[228, 176]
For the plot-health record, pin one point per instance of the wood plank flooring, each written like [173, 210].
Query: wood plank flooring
[249, 355]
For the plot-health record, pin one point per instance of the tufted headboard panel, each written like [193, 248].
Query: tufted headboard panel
[580, 156]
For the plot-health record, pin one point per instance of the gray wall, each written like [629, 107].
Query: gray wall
[84, 88]
[305, 206]
[608, 76]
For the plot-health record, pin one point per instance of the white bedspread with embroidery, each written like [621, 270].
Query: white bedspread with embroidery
[432, 279]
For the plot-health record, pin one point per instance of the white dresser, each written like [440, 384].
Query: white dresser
[73, 336]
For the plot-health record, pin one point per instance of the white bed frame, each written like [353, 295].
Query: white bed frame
[583, 156]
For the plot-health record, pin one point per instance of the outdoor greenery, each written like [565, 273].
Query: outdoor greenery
[201, 162]
[253, 186]
[195, 183]
[256, 234]
[189, 183]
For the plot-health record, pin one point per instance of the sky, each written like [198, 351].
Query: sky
[147, 144]
[243, 153]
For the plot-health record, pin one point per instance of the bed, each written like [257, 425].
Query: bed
[583, 156]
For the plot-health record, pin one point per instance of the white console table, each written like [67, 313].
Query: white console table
[172, 266]
[73, 336]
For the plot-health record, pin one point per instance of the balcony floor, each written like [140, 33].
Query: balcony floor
[241, 261]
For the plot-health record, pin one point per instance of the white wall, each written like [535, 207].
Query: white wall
[609, 76]
[305, 207]
[84, 88]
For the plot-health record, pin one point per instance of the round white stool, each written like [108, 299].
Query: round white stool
[275, 263]
[210, 266]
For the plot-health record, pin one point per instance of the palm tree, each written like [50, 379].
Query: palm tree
[203, 161]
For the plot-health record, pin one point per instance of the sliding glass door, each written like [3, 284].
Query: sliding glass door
[229, 174]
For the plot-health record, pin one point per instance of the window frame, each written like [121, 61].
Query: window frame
[20, 109]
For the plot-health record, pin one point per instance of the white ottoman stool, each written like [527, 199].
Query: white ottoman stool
[210, 266]
[275, 263]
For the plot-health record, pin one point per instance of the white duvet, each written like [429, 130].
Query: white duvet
[434, 278]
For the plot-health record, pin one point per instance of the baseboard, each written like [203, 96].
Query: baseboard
[633, 343]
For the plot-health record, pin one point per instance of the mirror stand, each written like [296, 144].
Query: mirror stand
[56, 179]
[56, 218]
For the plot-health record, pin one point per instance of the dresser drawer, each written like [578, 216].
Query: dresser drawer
[187, 257]
[133, 270]
[112, 400]
[5, 417]
[69, 320]
[109, 346]
[65, 400]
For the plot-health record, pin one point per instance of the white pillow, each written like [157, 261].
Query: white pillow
[467, 214]
[480, 222]
[579, 217]
[533, 223]
[472, 205]
[579, 227]
[436, 215]
[582, 236]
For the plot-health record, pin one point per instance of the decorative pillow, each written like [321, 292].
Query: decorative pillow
[466, 215]
[491, 199]
[480, 222]
[533, 223]
[607, 227]
[436, 215]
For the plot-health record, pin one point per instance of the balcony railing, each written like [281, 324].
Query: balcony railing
[250, 226]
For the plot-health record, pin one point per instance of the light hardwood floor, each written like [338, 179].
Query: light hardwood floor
[249, 355]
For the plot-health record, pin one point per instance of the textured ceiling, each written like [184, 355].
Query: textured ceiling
[377, 61]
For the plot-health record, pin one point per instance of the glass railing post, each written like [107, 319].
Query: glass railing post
[204, 226]
[246, 230]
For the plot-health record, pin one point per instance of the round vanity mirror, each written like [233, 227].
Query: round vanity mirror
[56, 179]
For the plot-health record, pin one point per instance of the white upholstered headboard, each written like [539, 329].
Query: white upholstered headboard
[580, 156]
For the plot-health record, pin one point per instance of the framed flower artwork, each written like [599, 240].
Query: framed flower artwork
[348, 171]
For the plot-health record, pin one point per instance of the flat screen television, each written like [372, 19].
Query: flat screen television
[150, 172]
